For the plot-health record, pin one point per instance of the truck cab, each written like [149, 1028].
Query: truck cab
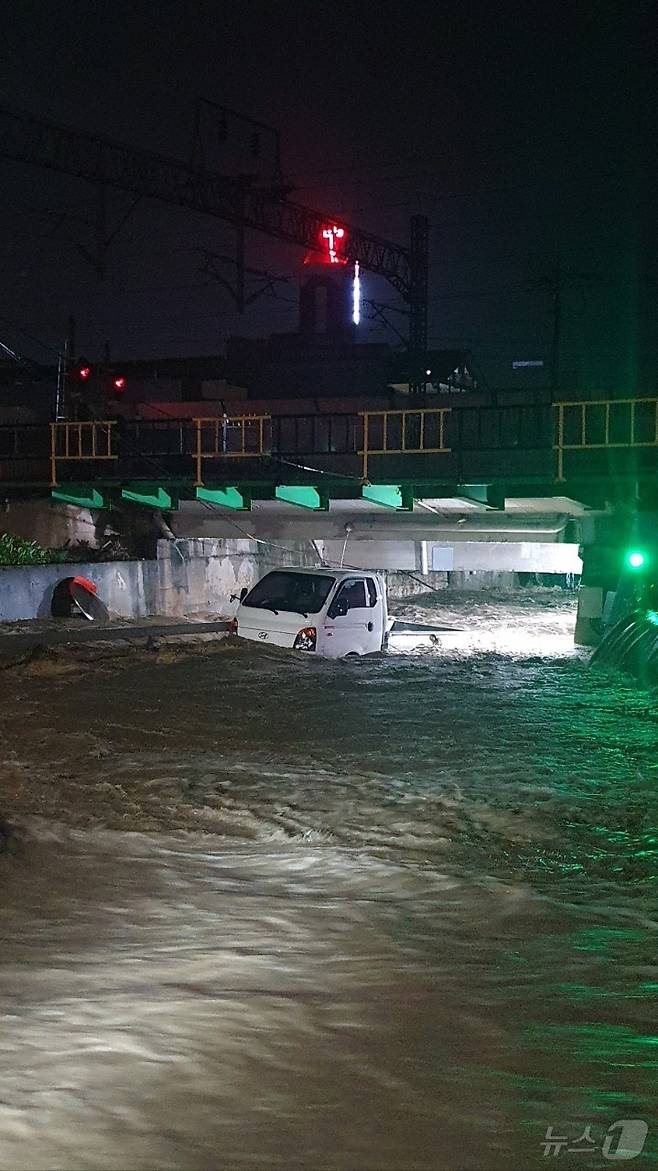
[330, 612]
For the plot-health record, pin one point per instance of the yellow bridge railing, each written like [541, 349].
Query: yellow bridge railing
[385, 433]
[232, 437]
[581, 425]
[600, 424]
[80, 441]
[403, 432]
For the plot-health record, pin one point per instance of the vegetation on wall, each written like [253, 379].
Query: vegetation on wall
[17, 551]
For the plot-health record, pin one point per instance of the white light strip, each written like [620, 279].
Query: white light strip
[356, 295]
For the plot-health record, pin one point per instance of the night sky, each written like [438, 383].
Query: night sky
[526, 135]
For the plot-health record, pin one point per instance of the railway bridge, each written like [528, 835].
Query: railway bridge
[582, 472]
[593, 451]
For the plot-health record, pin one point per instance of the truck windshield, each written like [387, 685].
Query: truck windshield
[297, 593]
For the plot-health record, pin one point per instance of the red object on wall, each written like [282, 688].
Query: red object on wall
[85, 583]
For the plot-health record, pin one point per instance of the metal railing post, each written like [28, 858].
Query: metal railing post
[198, 482]
[218, 446]
[365, 415]
[53, 455]
[560, 441]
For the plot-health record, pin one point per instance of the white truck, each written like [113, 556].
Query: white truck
[332, 612]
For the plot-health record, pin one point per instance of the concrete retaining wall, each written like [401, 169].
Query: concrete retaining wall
[401, 585]
[50, 523]
[128, 588]
[189, 577]
[199, 576]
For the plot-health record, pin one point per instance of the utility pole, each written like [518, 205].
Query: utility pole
[557, 327]
[239, 267]
[62, 403]
[418, 285]
[101, 231]
[61, 383]
[562, 278]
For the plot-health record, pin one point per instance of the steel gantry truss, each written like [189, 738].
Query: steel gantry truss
[43, 143]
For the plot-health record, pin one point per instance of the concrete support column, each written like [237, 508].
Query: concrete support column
[589, 618]
[609, 586]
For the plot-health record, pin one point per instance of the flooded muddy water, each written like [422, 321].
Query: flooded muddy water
[268, 911]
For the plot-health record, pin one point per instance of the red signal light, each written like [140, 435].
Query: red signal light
[80, 370]
[119, 383]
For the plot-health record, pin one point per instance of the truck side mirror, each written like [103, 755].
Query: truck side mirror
[243, 593]
[338, 608]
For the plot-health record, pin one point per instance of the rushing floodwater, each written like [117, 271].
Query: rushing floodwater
[278, 912]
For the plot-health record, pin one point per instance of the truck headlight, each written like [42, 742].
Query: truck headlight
[306, 639]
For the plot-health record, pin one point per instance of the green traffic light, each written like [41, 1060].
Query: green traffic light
[635, 559]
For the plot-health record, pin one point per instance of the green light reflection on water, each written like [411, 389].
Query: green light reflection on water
[582, 993]
[612, 1044]
[599, 939]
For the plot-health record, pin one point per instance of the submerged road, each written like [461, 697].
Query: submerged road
[24, 636]
[270, 911]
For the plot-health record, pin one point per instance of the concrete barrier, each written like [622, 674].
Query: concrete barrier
[195, 576]
[128, 588]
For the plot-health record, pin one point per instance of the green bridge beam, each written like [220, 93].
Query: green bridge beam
[236, 498]
[82, 495]
[399, 497]
[303, 496]
[151, 496]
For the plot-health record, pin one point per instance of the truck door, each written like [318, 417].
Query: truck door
[376, 601]
[351, 625]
